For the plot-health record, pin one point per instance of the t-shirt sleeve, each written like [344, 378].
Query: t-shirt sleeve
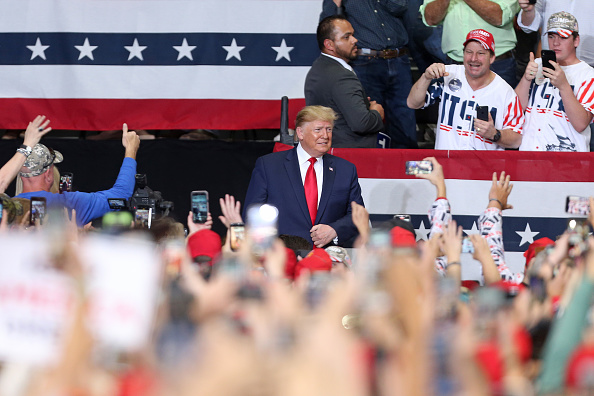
[585, 95]
[514, 116]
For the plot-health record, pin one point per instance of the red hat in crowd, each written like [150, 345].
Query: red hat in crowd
[580, 367]
[482, 36]
[488, 355]
[535, 248]
[509, 288]
[204, 243]
[316, 260]
[401, 237]
[291, 264]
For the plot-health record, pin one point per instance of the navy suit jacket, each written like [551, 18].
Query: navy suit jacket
[276, 180]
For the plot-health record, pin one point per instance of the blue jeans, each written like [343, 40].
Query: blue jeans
[388, 82]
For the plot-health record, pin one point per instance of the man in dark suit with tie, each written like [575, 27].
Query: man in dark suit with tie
[332, 82]
[313, 190]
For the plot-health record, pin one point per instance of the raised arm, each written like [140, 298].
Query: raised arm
[33, 134]
[435, 11]
[130, 141]
[578, 116]
[489, 10]
[418, 92]
[523, 87]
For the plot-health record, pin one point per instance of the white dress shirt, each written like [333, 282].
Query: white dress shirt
[303, 158]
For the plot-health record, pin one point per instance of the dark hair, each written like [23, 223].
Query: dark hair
[326, 29]
[295, 242]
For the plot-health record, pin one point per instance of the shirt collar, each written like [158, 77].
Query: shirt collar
[303, 156]
[341, 61]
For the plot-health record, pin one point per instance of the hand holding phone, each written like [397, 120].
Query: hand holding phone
[547, 56]
[482, 113]
[38, 210]
[199, 204]
[236, 235]
[419, 167]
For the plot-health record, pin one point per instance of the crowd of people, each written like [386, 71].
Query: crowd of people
[293, 311]
[364, 74]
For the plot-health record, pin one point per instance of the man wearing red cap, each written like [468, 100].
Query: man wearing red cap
[462, 88]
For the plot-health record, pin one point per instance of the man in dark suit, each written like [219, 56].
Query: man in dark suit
[313, 190]
[332, 82]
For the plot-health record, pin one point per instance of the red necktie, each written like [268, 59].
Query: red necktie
[311, 190]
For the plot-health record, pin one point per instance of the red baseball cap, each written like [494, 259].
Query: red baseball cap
[316, 260]
[482, 36]
[204, 243]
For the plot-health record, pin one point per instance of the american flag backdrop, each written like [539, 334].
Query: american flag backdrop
[155, 64]
[542, 181]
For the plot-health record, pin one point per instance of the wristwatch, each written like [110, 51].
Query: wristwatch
[25, 150]
[497, 135]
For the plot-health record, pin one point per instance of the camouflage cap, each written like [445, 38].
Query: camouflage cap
[40, 160]
[339, 255]
[562, 23]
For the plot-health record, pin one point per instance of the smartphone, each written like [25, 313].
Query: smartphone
[38, 209]
[236, 235]
[482, 113]
[199, 202]
[531, 1]
[577, 205]
[547, 56]
[66, 182]
[404, 217]
[418, 167]
[467, 246]
[262, 227]
[143, 217]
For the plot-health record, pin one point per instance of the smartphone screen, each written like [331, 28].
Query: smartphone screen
[143, 217]
[38, 209]
[482, 113]
[467, 246]
[262, 227]
[199, 203]
[66, 182]
[577, 205]
[236, 235]
[1, 210]
[418, 167]
[116, 203]
[548, 56]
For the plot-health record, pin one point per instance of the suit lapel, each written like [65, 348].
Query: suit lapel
[294, 176]
[329, 175]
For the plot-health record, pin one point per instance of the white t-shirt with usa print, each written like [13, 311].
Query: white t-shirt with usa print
[457, 110]
[547, 127]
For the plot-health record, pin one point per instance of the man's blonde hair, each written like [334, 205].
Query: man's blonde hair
[315, 113]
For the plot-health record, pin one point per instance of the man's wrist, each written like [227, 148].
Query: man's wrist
[25, 150]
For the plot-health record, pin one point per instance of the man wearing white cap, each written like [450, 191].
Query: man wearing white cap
[533, 17]
[462, 88]
[558, 101]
